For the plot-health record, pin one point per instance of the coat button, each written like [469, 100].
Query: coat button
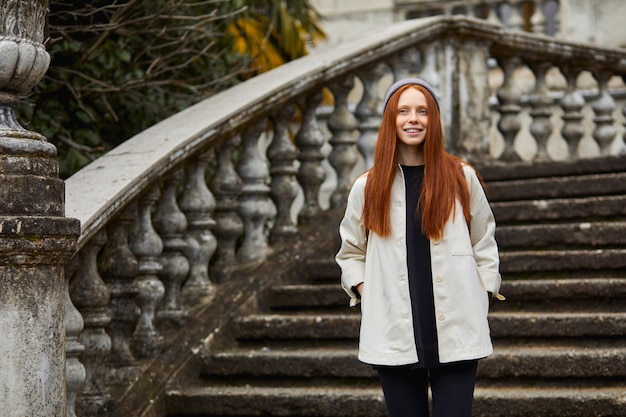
[441, 316]
[438, 278]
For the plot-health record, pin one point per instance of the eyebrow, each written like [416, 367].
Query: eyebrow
[421, 106]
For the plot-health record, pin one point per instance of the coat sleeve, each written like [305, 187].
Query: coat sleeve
[351, 255]
[482, 235]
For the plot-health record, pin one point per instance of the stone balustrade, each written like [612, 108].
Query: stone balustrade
[251, 152]
[174, 212]
[537, 16]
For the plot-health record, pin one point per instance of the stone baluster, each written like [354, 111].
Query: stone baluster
[509, 108]
[572, 104]
[604, 131]
[551, 8]
[344, 155]
[91, 297]
[405, 63]
[493, 15]
[147, 246]
[74, 370]
[282, 154]
[118, 268]
[435, 57]
[516, 19]
[538, 19]
[256, 207]
[367, 112]
[471, 10]
[468, 134]
[198, 204]
[170, 223]
[226, 187]
[36, 240]
[309, 141]
[541, 110]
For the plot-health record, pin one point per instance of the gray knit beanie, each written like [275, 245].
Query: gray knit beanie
[410, 81]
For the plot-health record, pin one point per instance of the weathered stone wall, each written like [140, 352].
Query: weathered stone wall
[596, 22]
[345, 20]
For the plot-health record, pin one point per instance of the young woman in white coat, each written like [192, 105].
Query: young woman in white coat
[418, 252]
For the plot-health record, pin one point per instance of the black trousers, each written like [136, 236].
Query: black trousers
[451, 385]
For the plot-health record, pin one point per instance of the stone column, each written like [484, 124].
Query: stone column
[470, 117]
[36, 239]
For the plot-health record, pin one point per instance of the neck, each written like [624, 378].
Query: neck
[409, 154]
[411, 158]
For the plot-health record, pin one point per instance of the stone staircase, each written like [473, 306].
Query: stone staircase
[560, 338]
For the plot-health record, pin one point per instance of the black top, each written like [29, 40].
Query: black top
[420, 272]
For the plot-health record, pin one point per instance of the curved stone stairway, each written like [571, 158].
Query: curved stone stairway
[560, 338]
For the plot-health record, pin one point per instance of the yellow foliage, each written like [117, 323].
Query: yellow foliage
[270, 42]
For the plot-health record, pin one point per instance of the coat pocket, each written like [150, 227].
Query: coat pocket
[459, 245]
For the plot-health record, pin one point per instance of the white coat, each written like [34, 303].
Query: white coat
[464, 268]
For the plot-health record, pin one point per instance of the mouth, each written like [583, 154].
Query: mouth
[413, 130]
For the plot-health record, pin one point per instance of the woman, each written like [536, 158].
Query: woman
[418, 252]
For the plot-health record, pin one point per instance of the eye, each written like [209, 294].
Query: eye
[422, 112]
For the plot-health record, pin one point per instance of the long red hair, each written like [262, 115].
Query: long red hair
[444, 180]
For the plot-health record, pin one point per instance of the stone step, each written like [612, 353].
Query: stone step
[563, 295]
[574, 261]
[308, 296]
[539, 360]
[565, 289]
[558, 209]
[503, 324]
[321, 270]
[563, 325]
[571, 255]
[558, 360]
[557, 187]
[324, 268]
[550, 293]
[297, 326]
[288, 362]
[289, 400]
[500, 171]
[602, 399]
[564, 235]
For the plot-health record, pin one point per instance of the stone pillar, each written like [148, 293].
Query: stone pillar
[470, 117]
[36, 239]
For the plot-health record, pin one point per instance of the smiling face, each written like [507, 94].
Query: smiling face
[411, 125]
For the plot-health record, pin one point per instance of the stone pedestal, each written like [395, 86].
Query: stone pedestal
[36, 239]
